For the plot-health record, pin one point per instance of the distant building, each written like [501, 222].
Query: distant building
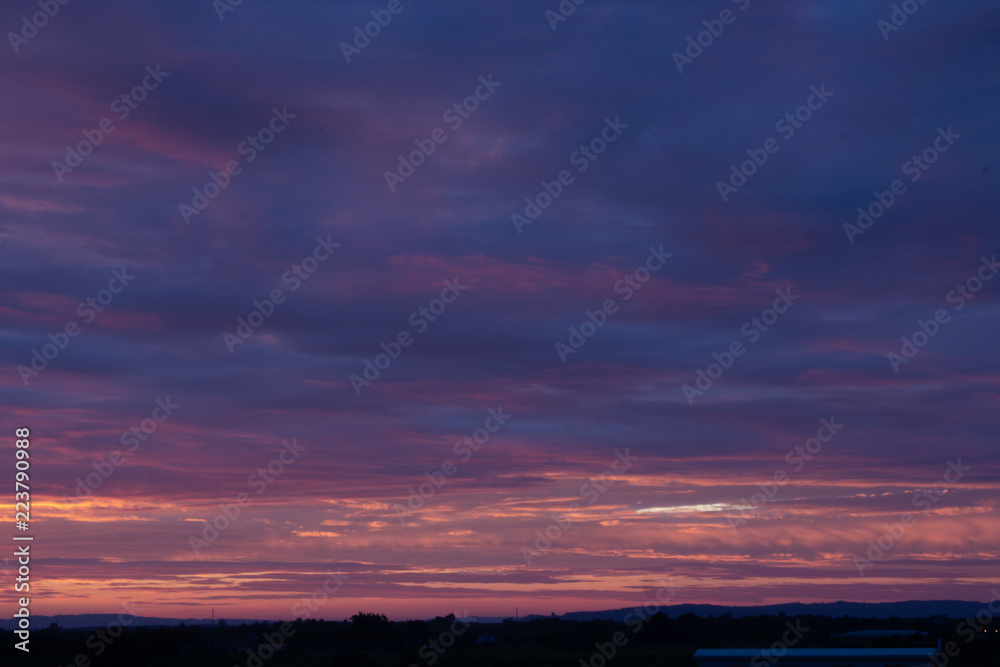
[816, 657]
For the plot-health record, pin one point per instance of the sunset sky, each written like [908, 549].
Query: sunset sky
[504, 394]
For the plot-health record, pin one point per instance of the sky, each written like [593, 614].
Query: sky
[500, 306]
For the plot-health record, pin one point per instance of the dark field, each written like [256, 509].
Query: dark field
[368, 640]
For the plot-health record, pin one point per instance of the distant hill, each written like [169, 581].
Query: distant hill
[909, 609]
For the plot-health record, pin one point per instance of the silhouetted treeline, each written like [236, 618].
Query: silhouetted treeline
[370, 640]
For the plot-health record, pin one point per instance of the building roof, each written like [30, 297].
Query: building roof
[818, 652]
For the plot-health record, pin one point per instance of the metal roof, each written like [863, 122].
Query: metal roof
[818, 652]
